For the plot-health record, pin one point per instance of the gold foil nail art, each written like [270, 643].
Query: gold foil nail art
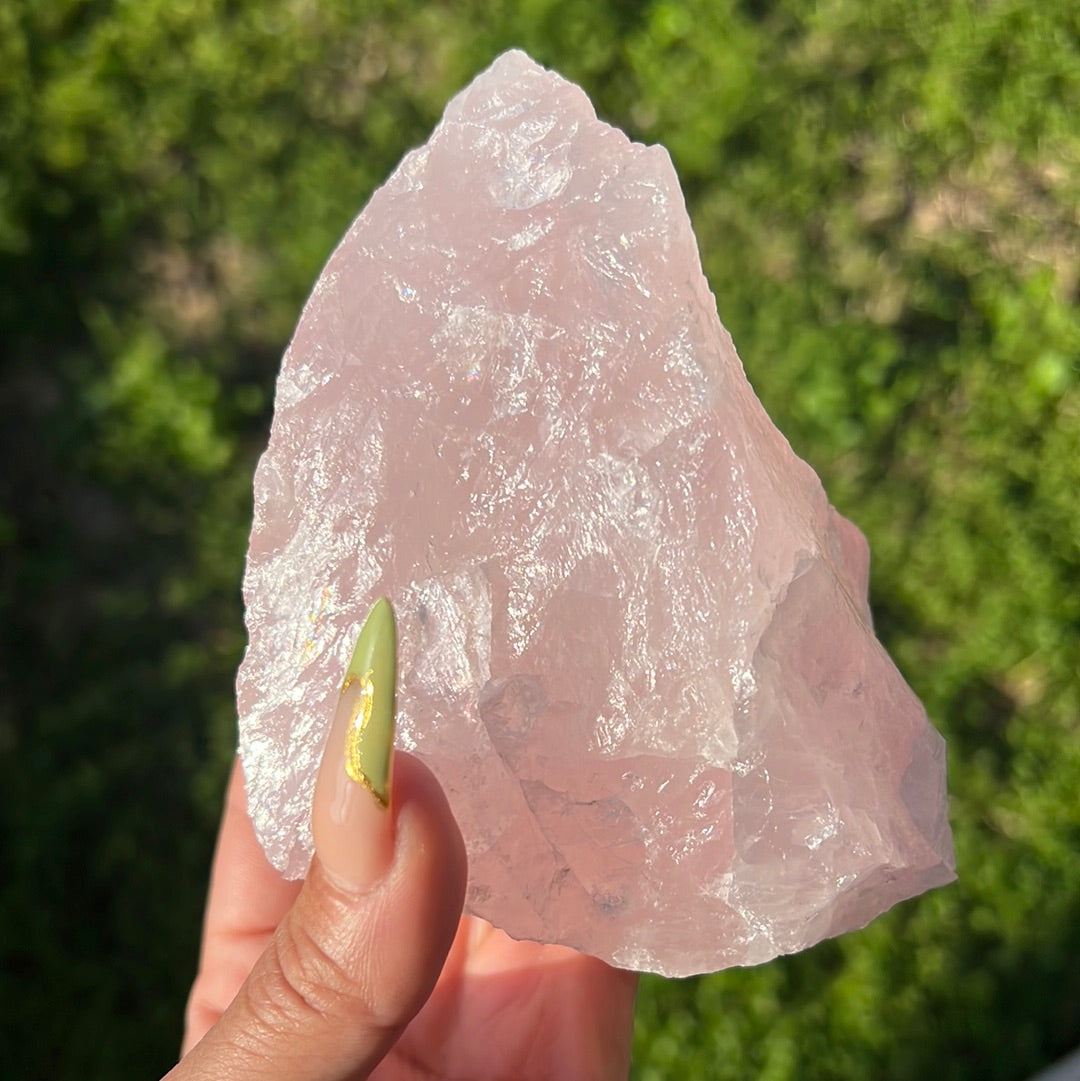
[358, 722]
[368, 694]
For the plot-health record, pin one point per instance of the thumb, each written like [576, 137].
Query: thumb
[359, 952]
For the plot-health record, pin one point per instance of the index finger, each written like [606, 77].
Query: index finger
[247, 900]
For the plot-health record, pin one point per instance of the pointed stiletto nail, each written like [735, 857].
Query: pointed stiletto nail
[369, 691]
[350, 822]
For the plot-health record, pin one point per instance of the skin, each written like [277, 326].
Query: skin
[327, 980]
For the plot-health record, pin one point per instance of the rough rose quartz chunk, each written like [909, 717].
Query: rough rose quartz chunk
[635, 642]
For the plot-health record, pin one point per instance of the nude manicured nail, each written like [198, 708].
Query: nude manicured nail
[350, 815]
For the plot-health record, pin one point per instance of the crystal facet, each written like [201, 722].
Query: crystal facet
[634, 637]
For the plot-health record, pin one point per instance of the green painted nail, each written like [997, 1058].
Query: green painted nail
[369, 738]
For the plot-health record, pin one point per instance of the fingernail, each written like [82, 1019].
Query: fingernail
[350, 815]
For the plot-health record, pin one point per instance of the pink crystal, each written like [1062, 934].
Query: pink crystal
[636, 646]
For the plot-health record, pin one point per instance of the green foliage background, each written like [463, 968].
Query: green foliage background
[886, 194]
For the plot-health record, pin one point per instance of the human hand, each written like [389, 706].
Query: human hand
[367, 969]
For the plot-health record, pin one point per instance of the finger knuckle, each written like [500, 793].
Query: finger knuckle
[311, 980]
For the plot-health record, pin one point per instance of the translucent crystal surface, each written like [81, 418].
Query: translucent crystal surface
[635, 642]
